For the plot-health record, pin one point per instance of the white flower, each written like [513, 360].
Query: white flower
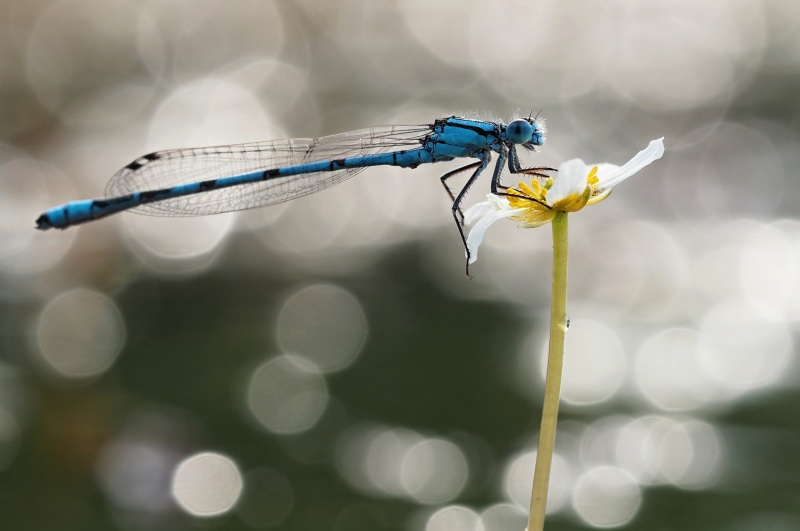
[576, 185]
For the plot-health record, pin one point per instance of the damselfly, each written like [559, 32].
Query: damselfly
[211, 180]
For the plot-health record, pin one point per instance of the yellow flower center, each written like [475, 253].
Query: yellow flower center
[538, 211]
[598, 194]
[592, 177]
[533, 199]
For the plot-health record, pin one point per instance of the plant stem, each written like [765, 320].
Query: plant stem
[555, 364]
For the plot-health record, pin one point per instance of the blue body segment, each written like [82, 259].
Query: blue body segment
[198, 181]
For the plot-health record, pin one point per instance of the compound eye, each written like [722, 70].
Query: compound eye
[519, 131]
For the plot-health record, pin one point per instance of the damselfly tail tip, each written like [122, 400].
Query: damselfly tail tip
[43, 222]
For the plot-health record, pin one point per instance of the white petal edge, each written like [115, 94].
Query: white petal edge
[477, 211]
[571, 179]
[484, 208]
[605, 168]
[477, 232]
[651, 153]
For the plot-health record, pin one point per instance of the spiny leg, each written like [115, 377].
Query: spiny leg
[514, 167]
[498, 170]
[447, 189]
[456, 209]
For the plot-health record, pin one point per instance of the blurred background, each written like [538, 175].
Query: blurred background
[326, 364]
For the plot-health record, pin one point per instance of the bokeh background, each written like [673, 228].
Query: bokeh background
[326, 364]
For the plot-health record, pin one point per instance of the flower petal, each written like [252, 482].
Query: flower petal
[484, 208]
[531, 220]
[606, 169]
[571, 180]
[477, 211]
[609, 179]
[599, 197]
[477, 232]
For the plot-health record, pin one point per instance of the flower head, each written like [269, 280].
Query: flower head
[576, 185]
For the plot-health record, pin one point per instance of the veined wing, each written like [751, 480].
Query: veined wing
[166, 169]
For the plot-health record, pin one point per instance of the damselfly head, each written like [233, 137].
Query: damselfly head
[527, 132]
[519, 131]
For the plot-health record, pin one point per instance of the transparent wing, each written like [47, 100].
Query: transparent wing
[165, 169]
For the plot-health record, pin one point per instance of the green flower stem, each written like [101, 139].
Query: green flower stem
[555, 364]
